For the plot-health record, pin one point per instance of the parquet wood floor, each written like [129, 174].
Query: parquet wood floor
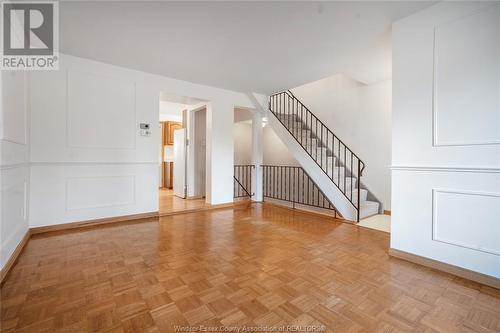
[169, 203]
[262, 265]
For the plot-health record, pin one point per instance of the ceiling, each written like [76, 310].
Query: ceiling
[181, 100]
[242, 46]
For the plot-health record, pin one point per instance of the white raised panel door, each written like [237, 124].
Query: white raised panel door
[180, 162]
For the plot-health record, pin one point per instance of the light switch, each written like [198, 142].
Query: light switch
[145, 129]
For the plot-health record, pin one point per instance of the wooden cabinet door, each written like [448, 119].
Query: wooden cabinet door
[170, 127]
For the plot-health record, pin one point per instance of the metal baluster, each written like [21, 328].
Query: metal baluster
[285, 100]
[264, 182]
[285, 118]
[279, 108]
[351, 177]
[275, 190]
[322, 148]
[277, 193]
[271, 181]
[251, 175]
[302, 194]
[333, 155]
[271, 178]
[316, 135]
[290, 186]
[359, 175]
[338, 163]
[326, 152]
[308, 180]
[307, 118]
[280, 179]
[268, 182]
[301, 123]
[345, 173]
[245, 174]
[283, 183]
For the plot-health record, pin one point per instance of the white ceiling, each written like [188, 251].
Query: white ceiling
[242, 46]
[181, 100]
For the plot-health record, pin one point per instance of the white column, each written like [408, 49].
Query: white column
[220, 153]
[257, 155]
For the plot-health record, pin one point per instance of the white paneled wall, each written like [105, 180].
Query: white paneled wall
[90, 112]
[84, 191]
[446, 135]
[14, 158]
[88, 159]
[467, 80]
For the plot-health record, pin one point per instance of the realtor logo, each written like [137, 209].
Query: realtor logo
[29, 35]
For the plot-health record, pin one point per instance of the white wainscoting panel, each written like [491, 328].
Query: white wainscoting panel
[100, 111]
[467, 218]
[452, 217]
[467, 80]
[63, 193]
[14, 212]
[97, 192]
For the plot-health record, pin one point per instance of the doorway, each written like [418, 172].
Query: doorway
[182, 167]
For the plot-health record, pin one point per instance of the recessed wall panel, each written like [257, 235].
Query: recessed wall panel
[14, 107]
[14, 210]
[101, 112]
[97, 192]
[467, 80]
[467, 219]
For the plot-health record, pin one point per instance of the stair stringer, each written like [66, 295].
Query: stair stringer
[327, 186]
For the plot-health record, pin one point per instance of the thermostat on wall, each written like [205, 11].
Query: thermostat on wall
[145, 131]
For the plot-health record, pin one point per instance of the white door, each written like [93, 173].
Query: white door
[180, 162]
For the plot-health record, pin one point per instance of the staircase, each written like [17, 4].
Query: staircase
[329, 162]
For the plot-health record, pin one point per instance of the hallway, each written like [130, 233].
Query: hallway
[259, 266]
[169, 203]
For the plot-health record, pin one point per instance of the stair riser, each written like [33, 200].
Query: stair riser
[368, 210]
[304, 134]
[340, 183]
[362, 195]
[328, 163]
[310, 144]
[334, 171]
[319, 153]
